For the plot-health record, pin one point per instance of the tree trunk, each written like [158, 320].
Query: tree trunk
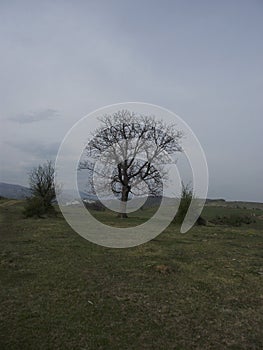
[124, 200]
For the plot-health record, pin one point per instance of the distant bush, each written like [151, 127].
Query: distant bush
[185, 201]
[186, 197]
[232, 220]
[201, 221]
[96, 205]
[36, 207]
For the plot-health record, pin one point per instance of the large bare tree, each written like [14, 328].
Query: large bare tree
[133, 150]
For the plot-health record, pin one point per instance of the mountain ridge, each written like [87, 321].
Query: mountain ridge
[14, 191]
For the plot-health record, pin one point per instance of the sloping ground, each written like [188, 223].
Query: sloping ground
[234, 204]
[8, 202]
[200, 290]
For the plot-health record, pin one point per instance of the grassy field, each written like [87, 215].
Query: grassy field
[199, 290]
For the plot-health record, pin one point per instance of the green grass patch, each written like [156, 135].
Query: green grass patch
[59, 291]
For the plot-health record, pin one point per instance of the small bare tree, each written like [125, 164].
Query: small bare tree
[136, 147]
[42, 186]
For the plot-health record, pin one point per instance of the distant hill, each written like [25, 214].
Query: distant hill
[21, 192]
[14, 191]
[69, 195]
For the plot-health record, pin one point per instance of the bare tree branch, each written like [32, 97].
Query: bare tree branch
[136, 147]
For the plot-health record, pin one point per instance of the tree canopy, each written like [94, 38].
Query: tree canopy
[133, 150]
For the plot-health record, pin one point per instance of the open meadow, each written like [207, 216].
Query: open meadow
[199, 290]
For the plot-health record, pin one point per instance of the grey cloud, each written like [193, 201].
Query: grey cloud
[32, 117]
[41, 151]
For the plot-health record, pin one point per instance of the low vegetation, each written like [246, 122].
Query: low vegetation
[233, 220]
[199, 290]
[36, 207]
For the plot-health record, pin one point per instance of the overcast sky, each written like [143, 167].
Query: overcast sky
[60, 60]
